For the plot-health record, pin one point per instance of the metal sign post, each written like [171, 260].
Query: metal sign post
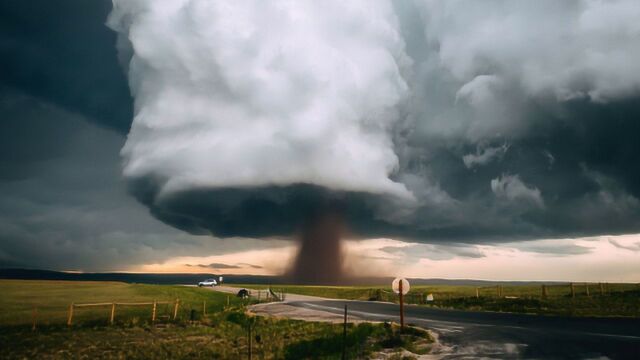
[401, 287]
[401, 307]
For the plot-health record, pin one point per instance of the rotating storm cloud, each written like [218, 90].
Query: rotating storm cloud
[424, 121]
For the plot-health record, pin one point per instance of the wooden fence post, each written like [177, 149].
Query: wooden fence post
[34, 318]
[70, 318]
[477, 293]
[498, 290]
[573, 290]
[544, 291]
[587, 288]
[113, 313]
[175, 309]
[601, 288]
[153, 312]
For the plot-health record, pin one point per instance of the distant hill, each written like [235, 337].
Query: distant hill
[168, 279]
[150, 278]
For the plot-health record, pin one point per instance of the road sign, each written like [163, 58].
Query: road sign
[401, 287]
[395, 285]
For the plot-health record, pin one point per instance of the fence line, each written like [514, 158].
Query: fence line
[113, 305]
[571, 290]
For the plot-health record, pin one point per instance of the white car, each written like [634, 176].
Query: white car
[208, 282]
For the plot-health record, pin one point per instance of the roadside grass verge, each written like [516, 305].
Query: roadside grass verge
[618, 300]
[332, 292]
[223, 335]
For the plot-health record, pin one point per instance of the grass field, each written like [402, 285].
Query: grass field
[222, 334]
[614, 300]
[52, 298]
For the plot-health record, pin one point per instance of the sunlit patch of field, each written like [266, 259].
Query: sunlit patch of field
[601, 300]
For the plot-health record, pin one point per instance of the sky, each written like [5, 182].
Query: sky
[457, 139]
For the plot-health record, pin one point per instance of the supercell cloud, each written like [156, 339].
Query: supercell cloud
[446, 123]
[430, 121]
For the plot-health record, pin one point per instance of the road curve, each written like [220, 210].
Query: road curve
[471, 335]
[465, 334]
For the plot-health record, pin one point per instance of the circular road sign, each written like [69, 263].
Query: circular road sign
[395, 285]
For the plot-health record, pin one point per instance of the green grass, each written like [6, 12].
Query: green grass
[221, 334]
[332, 292]
[617, 299]
[52, 298]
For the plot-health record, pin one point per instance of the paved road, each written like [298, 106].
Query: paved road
[499, 335]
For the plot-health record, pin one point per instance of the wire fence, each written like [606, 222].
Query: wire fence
[114, 305]
[157, 311]
[424, 295]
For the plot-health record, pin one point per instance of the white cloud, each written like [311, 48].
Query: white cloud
[577, 49]
[511, 188]
[484, 155]
[479, 92]
[263, 93]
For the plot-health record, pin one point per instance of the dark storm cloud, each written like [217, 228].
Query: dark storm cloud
[633, 247]
[63, 204]
[219, 266]
[496, 138]
[251, 265]
[29, 135]
[415, 252]
[62, 52]
[222, 266]
[557, 249]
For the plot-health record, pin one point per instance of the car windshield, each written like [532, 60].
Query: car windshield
[209, 280]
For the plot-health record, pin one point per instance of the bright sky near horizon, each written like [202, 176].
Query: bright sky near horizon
[595, 259]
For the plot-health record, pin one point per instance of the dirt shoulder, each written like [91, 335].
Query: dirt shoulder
[285, 310]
